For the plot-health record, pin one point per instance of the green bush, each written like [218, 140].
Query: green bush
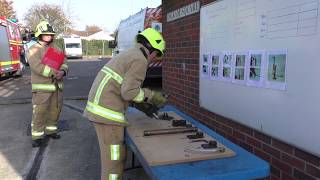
[58, 43]
[93, 47]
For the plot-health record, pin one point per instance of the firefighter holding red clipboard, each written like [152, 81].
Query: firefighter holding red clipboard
[47, 71]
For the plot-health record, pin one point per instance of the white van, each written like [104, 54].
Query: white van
[130, 27]
[72, 47]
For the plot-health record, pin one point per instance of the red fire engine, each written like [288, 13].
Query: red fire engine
[11, 47]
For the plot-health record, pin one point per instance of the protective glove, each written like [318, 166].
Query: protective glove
[158, 99]
[147, 108]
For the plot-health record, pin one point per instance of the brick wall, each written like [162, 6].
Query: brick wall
[181, 81]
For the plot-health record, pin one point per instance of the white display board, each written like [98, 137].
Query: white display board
[262, 68]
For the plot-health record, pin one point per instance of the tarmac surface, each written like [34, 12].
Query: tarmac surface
[73, 157]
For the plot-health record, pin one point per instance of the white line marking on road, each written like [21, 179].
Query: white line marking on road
[3, 92]
[9, 94]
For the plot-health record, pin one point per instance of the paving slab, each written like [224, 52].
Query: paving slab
[75, 155]
[16, 153]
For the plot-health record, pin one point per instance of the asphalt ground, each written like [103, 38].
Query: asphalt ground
[73, 157]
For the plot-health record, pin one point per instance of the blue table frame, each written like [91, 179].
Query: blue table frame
[243, 166]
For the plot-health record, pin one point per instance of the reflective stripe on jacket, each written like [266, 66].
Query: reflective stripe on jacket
[94, 106]
[118, 83]
[41, 74]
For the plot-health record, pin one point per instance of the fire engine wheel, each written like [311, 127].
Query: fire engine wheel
[19, 73]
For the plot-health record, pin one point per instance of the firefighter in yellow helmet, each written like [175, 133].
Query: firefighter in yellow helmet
[47, 84]
[116, 85]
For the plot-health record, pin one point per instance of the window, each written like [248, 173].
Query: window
[73, 45]
[4, 44]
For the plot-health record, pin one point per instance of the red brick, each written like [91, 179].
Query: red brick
[293, 161]
[262, 137]
[214, 124]
[272, 177]
[314, 171]
[239, 135]
[307, 157]
[245, 129]
[285, 176]
[282, 146]
[253, 142]
[281, 165]
[246, 146]
[233, 139]
[275, 171]
[272, 151]
[301, 175]
[232, 124]
[262, 155]
[222, 133]
[227, 129]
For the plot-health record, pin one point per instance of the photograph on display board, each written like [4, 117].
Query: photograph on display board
[276, 73]
[227, 58]
[215, 60]
[277, 68]
[226, 66]
[240, 67]
[215, 66]
[214, 72]
[205, 65]
[255, 67]
[226, 72]
[205, 69]
[205, 59]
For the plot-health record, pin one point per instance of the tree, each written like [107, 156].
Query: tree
[6, 9]
[52, 13]
[91, 29]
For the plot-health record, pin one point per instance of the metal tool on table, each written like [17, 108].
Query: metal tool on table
[198, 135]
[210, 145]
[180, 123]
[199, 150]
[199, 140]
[165, 116]
[176, 123]
[169, 131]
[149, 109]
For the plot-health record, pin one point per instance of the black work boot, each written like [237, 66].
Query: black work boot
[36, 143]
[54, 136]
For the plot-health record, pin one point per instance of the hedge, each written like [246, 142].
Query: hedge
[93, 47]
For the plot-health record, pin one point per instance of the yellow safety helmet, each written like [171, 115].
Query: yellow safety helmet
[44, 28]
[155, 39]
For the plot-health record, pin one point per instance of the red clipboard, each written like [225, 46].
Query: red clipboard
[53, 58]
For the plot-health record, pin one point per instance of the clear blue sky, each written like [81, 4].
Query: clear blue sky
[104, 13]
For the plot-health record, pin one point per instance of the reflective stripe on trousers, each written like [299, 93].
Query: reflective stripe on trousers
[113, 176]
[115, 152]
[46, 87]
[35, 133]
[94, 106]
[51, 128]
